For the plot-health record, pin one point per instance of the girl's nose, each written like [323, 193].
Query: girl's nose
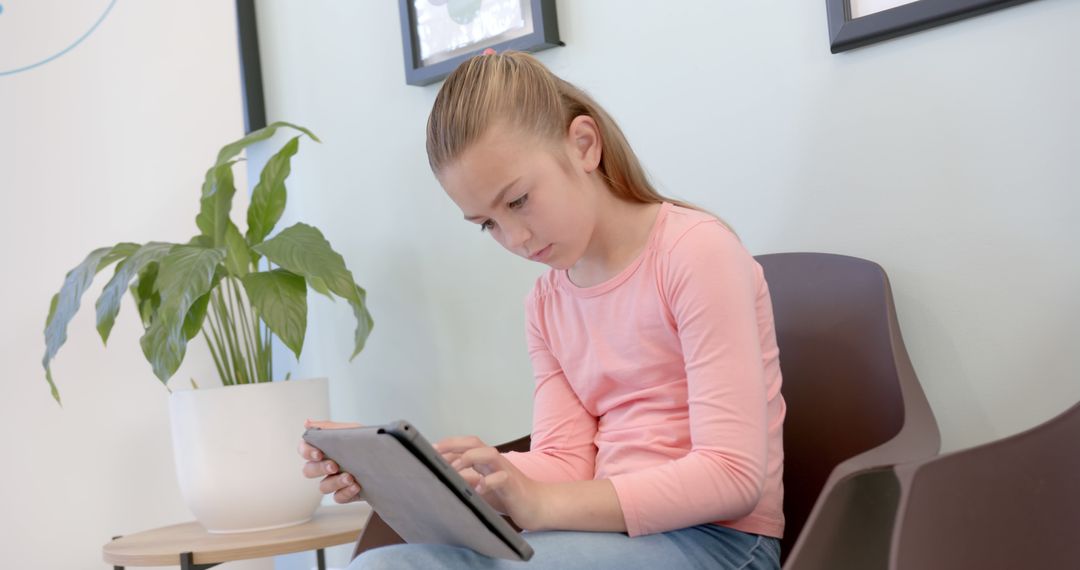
[516, 238]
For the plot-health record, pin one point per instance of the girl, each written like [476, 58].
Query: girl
[657, 418]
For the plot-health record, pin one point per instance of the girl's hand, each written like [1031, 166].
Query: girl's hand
[497, 480]
[342, 485]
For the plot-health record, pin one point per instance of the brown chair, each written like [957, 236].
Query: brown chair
[1011, 503]
[855, 406]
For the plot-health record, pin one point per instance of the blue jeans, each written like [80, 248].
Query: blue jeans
[703, 546]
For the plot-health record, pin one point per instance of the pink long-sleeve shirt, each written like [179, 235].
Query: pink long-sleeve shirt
[664, 379]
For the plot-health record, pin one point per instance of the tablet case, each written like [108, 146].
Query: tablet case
[416, 492]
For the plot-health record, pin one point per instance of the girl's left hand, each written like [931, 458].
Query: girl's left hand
[497, 480]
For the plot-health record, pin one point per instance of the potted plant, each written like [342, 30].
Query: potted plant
[234, 445]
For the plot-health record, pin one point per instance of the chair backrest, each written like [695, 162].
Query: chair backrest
[1011, 503]
[847, 379]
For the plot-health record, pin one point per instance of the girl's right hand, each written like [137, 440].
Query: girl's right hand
[342, 485]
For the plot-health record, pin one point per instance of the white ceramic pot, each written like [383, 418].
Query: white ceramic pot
[235, 453]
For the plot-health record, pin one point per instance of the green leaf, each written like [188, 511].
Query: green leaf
[218, 188]
[48, 372]
[268, 197]
[118, 252]
[186, 274]
[237, 253]
[320, 287]
[147, 299]
[216, 202]
[234, 148]
[280, 298]
[108, 305]
[364, 322]
[201, 241]
[193, 322]
[303, 250]
[52, 386]
[52, 309]
[64, 305]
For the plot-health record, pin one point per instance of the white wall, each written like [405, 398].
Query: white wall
[107, 143]
[948, 156]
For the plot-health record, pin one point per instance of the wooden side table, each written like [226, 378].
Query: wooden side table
[190, 546]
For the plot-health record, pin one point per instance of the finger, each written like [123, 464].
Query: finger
[347, 495]
[471, 476]
[335, 483]
[325, 424]
[450, 457]
[481, 456]
[308, 451]
[495, 482]
[313, 469]
[459, 444]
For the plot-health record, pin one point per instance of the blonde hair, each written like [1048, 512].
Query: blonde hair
[515, 88]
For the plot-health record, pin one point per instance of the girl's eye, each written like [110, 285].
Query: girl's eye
[519, 202]
[488, 225]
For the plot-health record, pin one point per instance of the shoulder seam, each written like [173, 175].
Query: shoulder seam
[675, 242]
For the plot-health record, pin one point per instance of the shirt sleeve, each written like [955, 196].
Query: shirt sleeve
[563, 444]
[711, 286]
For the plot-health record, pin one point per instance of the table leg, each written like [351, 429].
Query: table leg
[320, 556]
[114, 538]
[187, 562]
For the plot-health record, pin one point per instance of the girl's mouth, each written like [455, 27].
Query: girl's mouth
[540, 255]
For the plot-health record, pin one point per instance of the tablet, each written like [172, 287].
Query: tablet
[416, 491]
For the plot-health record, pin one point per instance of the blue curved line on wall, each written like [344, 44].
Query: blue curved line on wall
[65, 50]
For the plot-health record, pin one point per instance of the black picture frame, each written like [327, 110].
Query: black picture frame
[251, 83]
[544, 35]
[846, 33]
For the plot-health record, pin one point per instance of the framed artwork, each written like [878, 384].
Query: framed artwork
[855, 23]
[437, 35]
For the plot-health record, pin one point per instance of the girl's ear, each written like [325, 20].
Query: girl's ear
[586, 145]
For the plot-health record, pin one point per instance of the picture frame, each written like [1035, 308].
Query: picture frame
[251, 83]
[847, 32]
[438, 35]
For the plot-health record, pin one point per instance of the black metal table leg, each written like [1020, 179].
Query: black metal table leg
[320, 556]
[187, 562]
[118, 567]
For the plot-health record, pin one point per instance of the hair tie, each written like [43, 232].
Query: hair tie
[489, 51]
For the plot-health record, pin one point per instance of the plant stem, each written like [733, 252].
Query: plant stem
[237, 344]
[268, 347]
[229, 330]
[260, 354]
[245, 326]
[213, 354]
[228, 377]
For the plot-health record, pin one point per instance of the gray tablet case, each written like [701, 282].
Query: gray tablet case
[416, 492]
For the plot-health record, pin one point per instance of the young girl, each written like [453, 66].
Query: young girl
[657, 419]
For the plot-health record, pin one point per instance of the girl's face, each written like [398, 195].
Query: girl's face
[534, 197]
